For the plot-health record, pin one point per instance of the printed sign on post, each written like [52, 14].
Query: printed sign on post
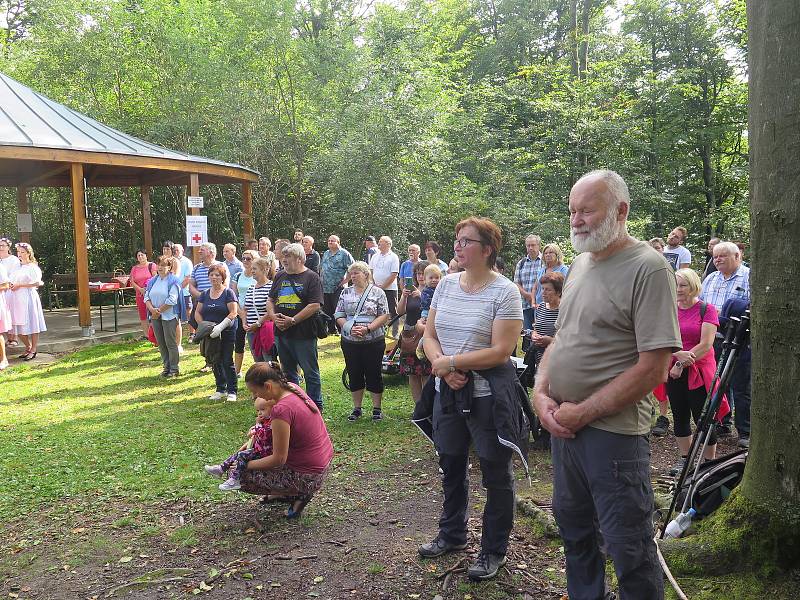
[196, 230]
[24, 223]
[194, 201]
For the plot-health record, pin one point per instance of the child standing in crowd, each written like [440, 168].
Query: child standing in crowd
[258, 445]
[432, 276]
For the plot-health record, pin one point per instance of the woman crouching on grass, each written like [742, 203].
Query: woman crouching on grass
[301, 446]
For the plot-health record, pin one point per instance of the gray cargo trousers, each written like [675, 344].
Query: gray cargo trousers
[602, 496]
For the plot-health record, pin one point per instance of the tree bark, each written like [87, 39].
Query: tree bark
[772, 478]
[583, 46]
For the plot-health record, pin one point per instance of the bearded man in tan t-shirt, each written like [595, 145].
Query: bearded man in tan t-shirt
[616, 330]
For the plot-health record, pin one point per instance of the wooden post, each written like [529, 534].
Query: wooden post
[81, 253]
[247, 212]
[22, 208]
[147, 223]
[194, 190]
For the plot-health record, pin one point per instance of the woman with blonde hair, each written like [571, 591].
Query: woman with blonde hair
[27, 306]
[553, 260]
[361, 313]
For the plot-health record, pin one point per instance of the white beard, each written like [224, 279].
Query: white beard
[607, 232]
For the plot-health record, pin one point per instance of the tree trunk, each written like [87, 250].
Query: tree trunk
[772, 478]
[583, 47]
[573, 37]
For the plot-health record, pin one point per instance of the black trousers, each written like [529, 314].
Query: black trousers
[602, 496]
[363, 362]
[452, 433]
[238, 345]
[329, 302]
[391, 300]
[224, 372]
[686, 405]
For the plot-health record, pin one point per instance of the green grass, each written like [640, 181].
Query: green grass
[101, 424]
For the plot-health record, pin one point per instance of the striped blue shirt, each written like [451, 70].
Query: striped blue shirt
[200, 276]
[716, 289]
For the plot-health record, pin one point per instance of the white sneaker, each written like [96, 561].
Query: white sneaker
[217, 396]
[215, 471]
[3, 365]
[230, 485]
[180, 349]
[231, 398]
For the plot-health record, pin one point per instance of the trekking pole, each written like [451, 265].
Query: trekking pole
[735, 339]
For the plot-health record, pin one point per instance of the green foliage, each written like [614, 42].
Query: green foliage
[401, 119]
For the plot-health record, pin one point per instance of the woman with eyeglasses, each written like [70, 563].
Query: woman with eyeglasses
[27, 306]
[11, 264]
[240, 283]
[473, 326]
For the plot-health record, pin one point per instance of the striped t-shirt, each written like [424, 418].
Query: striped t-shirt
[255, 302]
[200, 276]
[544, 324]
[464, 321]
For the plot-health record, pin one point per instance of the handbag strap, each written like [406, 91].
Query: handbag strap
[362, 300]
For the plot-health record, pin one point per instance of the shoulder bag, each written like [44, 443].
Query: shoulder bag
[319, 321]
[348, 325]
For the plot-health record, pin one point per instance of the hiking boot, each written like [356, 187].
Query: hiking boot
[677, 468]
[215, 471]
[486, 566]
[355, 415]
[230, 485]
[661, 427]
[438, 547]
[744, 441]
[377, 415]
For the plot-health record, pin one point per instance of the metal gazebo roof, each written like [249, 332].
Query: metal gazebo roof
[41, 132]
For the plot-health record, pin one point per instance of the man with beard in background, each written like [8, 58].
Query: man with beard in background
[616, 331]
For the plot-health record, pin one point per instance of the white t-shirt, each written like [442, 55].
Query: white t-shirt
[10, 262]
[464, 321]
[677, 257]
[383, 265]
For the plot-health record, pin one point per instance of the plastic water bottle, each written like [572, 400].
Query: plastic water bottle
[678, 526]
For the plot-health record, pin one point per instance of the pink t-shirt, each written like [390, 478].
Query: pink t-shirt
[310, 448]
[689, 321]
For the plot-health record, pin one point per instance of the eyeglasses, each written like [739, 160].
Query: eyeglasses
[464, 242]
[247, 258]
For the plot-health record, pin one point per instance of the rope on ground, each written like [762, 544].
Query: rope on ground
[673, 582]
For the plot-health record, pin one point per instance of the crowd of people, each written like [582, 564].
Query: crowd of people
[622, 324]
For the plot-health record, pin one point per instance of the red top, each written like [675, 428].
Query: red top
[310, 448]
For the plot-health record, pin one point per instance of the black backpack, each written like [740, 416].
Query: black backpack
[713, 484]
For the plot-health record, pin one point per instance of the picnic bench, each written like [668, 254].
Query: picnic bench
[64, 284]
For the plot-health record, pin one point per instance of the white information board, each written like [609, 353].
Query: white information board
[24, 223]
[196, 230]
[194, 201]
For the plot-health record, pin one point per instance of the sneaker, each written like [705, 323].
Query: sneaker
[486, 566]
[165, 374]
[661, 426]
[438, 547]
[207, 369]
[744, 441]
[377, 415]
[215, 471]
[677, 468]
[355, 415]
[174, 374]
[230, 484]
[3, 365]
[217, 396]
[231, 398]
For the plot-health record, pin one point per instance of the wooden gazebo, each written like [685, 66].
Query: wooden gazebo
[45, 144]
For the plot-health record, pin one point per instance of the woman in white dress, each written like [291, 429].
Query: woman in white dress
[11, 264]
[6, 323]
[26, 309]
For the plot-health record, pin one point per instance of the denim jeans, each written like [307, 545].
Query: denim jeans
[303, 353]
[528, 315]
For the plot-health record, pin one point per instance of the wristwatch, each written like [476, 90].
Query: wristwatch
[452, 363]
